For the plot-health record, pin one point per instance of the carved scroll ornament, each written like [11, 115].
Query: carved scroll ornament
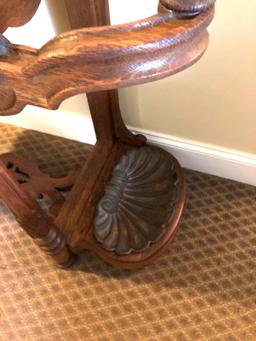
[103, 58]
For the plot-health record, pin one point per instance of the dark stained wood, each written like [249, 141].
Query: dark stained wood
[16, 12]
[127, 199]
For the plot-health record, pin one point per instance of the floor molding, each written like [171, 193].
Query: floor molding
[206, 159]
[210, 160]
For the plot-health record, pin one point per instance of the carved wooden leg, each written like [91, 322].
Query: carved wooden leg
[127, 200]
[18, 190]
[125, 204]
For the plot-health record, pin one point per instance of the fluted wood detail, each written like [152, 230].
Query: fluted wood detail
[138, 202]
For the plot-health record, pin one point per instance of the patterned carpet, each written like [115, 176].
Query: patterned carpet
[203, 288]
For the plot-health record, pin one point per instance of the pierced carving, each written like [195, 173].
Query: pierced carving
[36, 183]
[138, 202]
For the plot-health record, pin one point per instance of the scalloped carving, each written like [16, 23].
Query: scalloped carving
[138, 202]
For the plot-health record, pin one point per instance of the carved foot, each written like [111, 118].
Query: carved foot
[47, 236]
[54, 244]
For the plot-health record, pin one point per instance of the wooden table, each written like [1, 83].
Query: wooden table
[126, 202]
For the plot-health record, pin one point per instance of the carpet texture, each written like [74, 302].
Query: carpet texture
[202, 288]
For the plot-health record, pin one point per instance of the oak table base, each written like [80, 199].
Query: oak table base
[126, 201]
[137, 213]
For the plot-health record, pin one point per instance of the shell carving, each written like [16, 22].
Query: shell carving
[138, 202]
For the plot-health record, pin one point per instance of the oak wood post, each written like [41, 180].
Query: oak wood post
[104, 105]
[109, 128]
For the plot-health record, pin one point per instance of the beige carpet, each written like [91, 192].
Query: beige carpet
[203, 288]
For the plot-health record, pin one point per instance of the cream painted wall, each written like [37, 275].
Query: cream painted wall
[212, 104]
[72, 120]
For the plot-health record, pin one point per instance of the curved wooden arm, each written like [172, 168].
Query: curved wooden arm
[16, 12]
[102, 58]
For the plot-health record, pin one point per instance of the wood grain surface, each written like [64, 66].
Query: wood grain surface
[16, 12]
[101, 58]
[98, 60]
[104, 105]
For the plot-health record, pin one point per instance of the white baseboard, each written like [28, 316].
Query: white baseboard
[208, 159]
